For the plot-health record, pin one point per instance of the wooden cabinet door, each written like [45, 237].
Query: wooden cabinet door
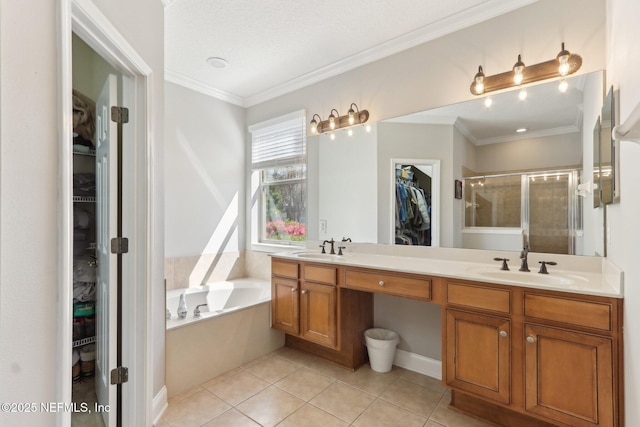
[478, 357]
[285, 308]
[318, 313]
[568, 376]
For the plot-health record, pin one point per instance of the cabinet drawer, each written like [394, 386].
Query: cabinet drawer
[389, 284]
[590, 314]
[479, 297]
[320, 274]
[284, 269]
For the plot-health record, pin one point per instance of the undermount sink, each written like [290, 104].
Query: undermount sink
[526, 277]
[316, 255]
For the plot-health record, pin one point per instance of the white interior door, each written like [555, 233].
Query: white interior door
[106, 219]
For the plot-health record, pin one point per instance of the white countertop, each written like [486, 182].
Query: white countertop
[579, 276]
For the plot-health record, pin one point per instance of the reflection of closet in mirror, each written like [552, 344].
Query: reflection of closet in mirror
[499, 213]
[414, 211]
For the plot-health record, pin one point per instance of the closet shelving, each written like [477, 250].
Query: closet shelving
[84, 312]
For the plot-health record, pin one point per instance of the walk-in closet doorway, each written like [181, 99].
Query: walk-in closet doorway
[95, 58]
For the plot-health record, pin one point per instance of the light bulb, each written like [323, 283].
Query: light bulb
[479, 81]
[518, 69]
[332, 136]
[488, 102]
[522, 94]
[563, 86]
[314, 126]
[351, 117]
[332, 121]
[563, 60]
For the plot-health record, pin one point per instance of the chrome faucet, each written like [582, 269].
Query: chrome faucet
[182, 307]
[332, 242]
[196, 311]
[524, 265]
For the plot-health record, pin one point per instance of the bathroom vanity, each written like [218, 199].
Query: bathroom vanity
[521, 349]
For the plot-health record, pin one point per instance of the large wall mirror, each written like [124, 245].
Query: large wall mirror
[517, 185]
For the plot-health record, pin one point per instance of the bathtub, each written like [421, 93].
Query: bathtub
[234, 328]
[220, 297]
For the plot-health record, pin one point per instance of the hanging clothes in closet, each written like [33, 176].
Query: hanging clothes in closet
[413, 216]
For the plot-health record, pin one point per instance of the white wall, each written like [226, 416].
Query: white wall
[204, 179]
[623, 68]
[28, 188]
[348, 174]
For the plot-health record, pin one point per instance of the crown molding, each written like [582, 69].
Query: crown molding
[183, 80]
[450, 24]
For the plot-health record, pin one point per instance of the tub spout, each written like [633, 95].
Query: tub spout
[182, 307]
[196, 312]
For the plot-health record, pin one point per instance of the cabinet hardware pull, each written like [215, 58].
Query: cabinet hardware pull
[503, 333]
[304, 291]
[294, 289]
[381, 283]
[531, 339]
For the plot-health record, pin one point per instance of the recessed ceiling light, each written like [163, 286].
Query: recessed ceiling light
[521, 130]
[217, 62]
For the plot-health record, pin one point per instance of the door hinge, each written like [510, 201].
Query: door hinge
[119, 375]
[120, 114]
[119, 245]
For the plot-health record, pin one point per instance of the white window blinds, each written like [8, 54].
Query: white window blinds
[280, 141]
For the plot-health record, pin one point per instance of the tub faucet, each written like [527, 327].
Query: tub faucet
[182, 307]
[168, 315]
[196, 312]
[524, 265]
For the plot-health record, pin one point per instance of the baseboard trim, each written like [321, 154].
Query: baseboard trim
[159, 405]
[417, 363]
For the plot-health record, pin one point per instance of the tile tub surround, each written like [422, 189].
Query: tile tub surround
[288, 388]
[210, 347]
[192, 271]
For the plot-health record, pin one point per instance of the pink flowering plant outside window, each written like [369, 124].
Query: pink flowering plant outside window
[284, 203]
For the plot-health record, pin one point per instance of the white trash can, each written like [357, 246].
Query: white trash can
[381, 345]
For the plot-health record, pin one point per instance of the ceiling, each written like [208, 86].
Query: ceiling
[277, 46]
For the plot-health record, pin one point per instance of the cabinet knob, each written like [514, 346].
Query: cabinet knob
[381, 283]
[304, 291]
[503, 333]
[294, 289]
[531, 339]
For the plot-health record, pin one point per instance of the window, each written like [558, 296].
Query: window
[278, 160]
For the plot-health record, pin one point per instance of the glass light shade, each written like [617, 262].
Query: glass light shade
[314, 126]
[479, 81]
[351, 117]
[332, 121]
[517, 75]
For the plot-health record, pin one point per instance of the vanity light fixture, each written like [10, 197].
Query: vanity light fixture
[335, 121]
[564, 64]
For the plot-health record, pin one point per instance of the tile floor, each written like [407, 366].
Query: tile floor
[288, 388]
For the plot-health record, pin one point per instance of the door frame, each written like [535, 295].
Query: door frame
[435, 197]
[85, 20]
